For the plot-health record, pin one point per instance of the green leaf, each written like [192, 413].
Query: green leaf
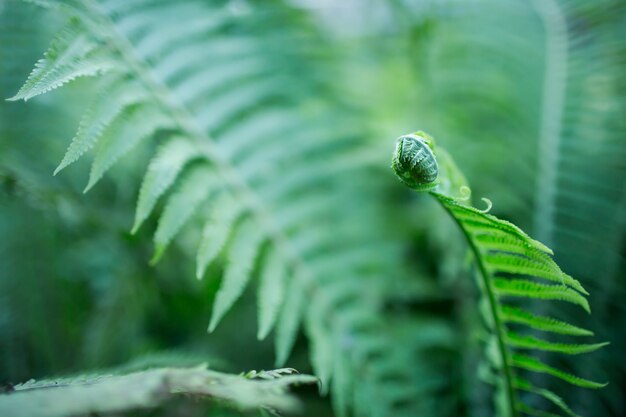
[225, 212]
[530, 289]
[341, 386]
[271, 292]
[514, 264]
[73, 53]
[530, 342]
[533, 411]
[535, 365]
[289, 320]
[517, 315]
[322, 354]
[241, 257]
[127, 130]
[105, 109]
[476, 221]
[162, 172]
[547, 394]
[195, 187]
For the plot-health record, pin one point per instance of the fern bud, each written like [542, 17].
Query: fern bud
[414, 161]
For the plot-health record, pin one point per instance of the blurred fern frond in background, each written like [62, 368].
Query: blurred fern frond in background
[104, 393]
[251, 141]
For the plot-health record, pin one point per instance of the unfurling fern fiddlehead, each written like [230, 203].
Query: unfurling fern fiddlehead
[414, 161]
[511, 266]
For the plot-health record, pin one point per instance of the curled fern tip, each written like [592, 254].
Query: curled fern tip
[414, 161]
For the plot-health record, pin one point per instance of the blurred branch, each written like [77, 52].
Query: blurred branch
[111, 393]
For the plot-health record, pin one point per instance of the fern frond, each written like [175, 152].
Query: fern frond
[517, 273]
[513, 266]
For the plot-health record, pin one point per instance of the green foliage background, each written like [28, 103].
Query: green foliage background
[528, 96]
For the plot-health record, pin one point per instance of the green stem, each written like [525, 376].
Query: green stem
[552, 104]
[507, 371]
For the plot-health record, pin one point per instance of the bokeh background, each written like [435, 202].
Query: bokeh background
[529, 96]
